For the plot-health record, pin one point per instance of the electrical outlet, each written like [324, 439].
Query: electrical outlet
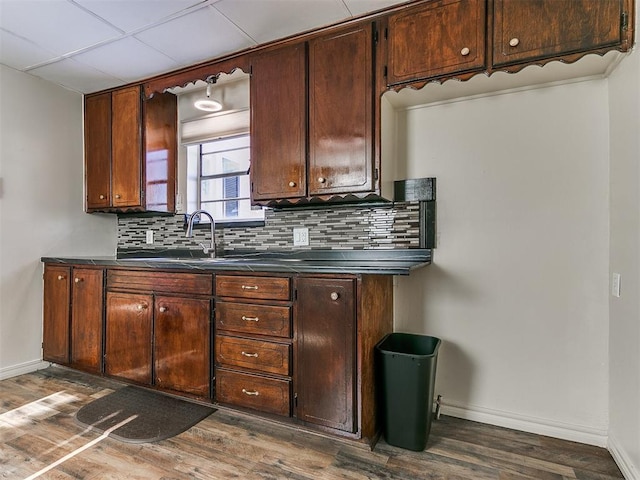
[149, 237]
[300, 237]
[615, 285]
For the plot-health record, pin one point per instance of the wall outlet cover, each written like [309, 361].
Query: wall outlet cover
[149, 237]
[300, 237]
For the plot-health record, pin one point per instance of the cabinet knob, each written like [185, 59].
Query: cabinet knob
[514, 42]
[465, 51]
[118, 195]
[162, 309]
[102, 197]
[250, 319]
[245, 354]
[141, 306]
[321, 180]
[77, 279]
[255, 393]
[292, 184]
[334, 296]
[60, 277]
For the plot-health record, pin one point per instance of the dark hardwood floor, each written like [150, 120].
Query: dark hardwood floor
[37, 430]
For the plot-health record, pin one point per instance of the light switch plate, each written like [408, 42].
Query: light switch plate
[300, 237]
[615, 285]
[149, 237]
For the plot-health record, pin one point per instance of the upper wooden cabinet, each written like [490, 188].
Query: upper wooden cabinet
[441, 39]
[130, 151]
[341, 112]
[278, 124]
[325, 148]
[526, 30]
[436, 38]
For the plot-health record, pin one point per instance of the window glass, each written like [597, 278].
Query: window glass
[218, 180]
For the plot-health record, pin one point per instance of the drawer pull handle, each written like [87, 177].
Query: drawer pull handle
[250, 319]
[254, 393]
[254, 355]
[162, 309]
[249, 287]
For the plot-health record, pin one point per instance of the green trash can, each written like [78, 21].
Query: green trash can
[406, 370]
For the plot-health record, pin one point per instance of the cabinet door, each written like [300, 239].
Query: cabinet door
[436, 38]
[86, 319]
[160, 137]
[126, 144]
[57, 290]
[182, 344]
[128, 336]
[278, 123]
[341, 112]
[326, 349]
[97, 150]
[530, 29]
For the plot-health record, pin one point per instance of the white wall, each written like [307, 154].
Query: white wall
[518, 288]
[41, 206]
[624, 98]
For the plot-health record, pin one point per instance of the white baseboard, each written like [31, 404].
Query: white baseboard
[625, 464]
[540, 426]
[22, 368]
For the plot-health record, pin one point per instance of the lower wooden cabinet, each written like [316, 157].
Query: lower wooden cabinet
[295, 346]
[326, 352]
[129, 332]
[158, 330]
[72, 316]
[243, 389]
[308, 356]
[57, 307]
[253, 343]
[182, 344]
[87, 307]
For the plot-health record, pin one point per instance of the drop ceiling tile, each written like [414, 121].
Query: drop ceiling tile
[19, 53]
[269, 20]
[134, 14]
[56, 25]
[128, 59]
[76, 76]
[198, 36]
[359, 7]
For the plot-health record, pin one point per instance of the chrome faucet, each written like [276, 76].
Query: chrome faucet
[208, 250]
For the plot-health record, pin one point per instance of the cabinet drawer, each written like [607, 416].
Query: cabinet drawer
[256, 319]
[165, 282]
[267, 357]
[265, 288]
[268, 395]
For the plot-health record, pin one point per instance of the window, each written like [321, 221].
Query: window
[218, 180]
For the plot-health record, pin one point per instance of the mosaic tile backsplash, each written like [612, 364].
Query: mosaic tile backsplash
[354, 228]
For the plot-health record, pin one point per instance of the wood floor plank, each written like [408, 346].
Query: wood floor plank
[37, 427]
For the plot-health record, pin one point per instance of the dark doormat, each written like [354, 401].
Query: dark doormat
[145, 416]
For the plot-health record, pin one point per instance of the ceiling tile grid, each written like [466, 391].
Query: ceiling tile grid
[90, 45]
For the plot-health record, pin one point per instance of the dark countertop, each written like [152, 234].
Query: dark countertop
[378, 262]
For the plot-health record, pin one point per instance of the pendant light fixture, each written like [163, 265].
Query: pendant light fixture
[208, 104]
